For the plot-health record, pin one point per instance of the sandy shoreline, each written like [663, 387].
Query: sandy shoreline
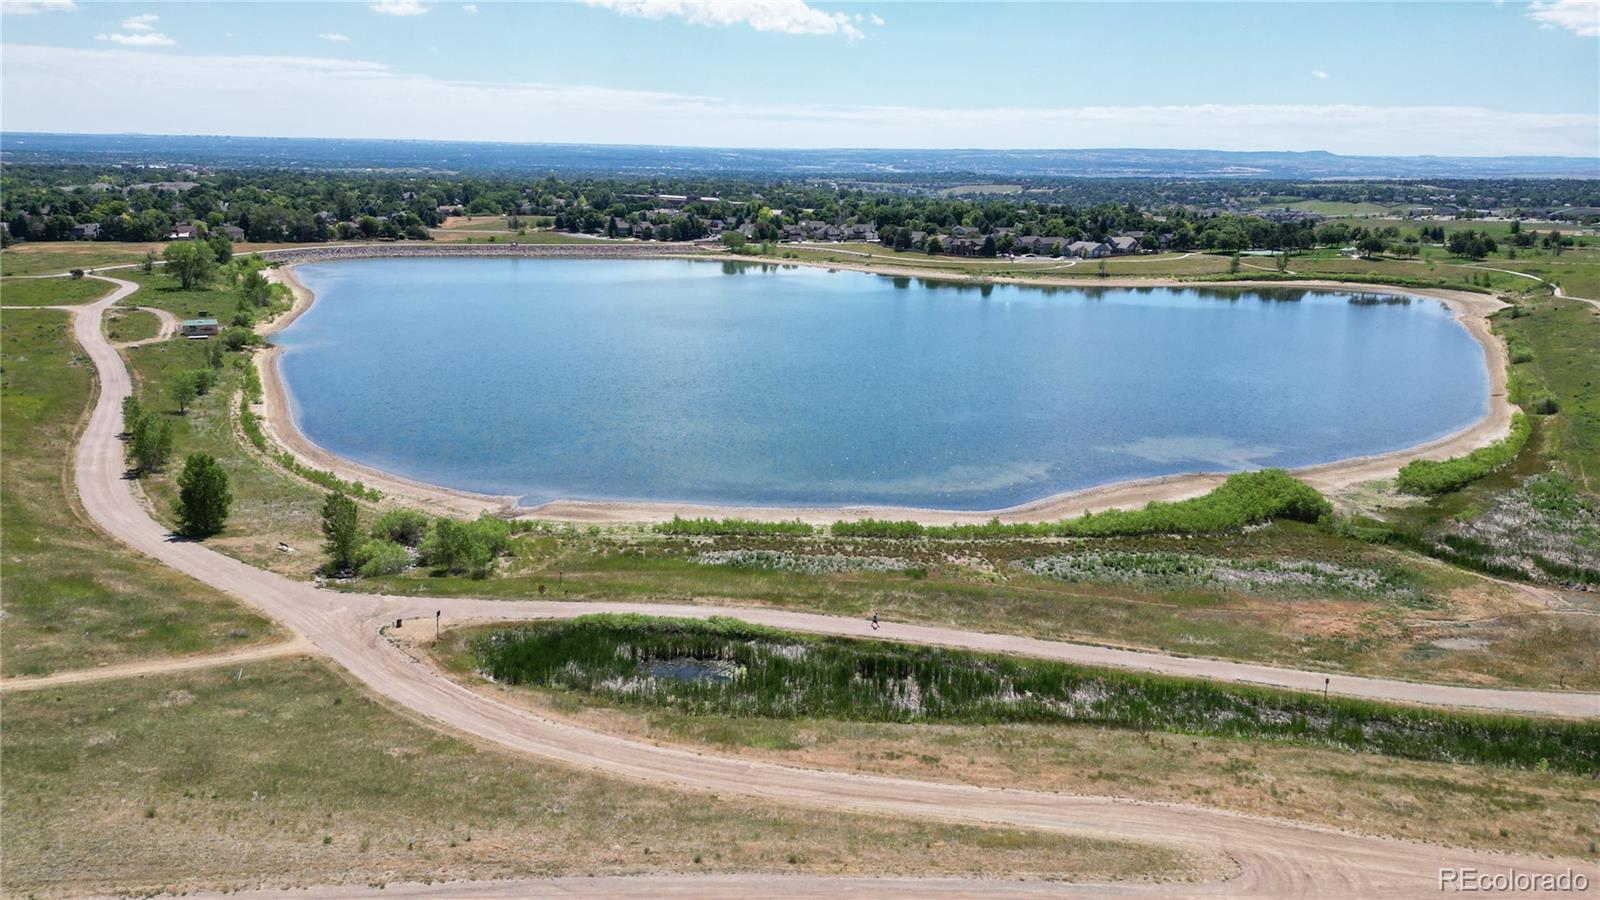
[1470, 309]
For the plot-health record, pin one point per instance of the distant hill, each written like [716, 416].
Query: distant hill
[462, 156]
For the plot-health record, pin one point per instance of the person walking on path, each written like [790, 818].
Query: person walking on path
[874, 620]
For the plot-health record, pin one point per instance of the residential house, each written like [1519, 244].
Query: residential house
[1088, 249]
[1124, 243]
[88, 231]
[184, 231]
[234, 232]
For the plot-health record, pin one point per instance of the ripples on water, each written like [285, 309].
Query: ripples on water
[728, 383]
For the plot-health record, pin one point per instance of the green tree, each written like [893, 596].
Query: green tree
[255, 289]
[148, 264]
[150, 443]
[203, 496]
[214, 354]
[1372, 245]
[341, 528]
[131, 413]
[183, 390]
[191, 262]
[1233, 264]
[988, 248]
[221, 248]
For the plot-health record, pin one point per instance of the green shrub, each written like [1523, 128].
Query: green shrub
[401, 526]
[1427, 477]
[470, 547]
[238, 337]
[1244, 499]
[1517, 349]
[1544, 403]
[682, 526]
[379, 557]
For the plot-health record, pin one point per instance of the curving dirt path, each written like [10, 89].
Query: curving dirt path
[169, 327]
[1274, 858]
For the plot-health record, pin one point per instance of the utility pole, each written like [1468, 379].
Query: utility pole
[436, 614]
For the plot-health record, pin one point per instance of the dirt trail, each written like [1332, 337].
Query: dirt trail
[169, 327]
[1274, 857]
[166, 665]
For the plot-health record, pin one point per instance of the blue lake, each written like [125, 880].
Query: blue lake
[728, 383]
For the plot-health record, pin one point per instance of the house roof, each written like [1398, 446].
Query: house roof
[190, 323]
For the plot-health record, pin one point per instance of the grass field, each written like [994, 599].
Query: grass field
[73, 598]
[123, 324]
[1565, 338]
[269, 504]
[50, 257]
[281, 774]
[463, 235]
[51, 291]
[492, 223]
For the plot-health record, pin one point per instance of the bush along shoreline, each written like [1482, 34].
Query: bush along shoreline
[1247, 498]
[1429, 477]
[725, 667]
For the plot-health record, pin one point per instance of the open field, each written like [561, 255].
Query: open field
[131, 325]
[50, 291]
[73, 597]
[1332, 207]
[1564, 336]
[493, 223]
[281, 774]
[50, 257]
[1480, 806]
[533, 236]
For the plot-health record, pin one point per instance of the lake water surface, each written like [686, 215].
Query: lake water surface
[728, 383]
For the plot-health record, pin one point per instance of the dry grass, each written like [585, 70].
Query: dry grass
[280, 774]
[73, 597]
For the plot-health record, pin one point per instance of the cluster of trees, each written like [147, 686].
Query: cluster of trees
[42, 202]
[399, 536]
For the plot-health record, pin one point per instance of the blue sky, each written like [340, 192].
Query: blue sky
[1443, 78]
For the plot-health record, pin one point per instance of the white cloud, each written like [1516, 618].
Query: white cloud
[782, 16]
[1318, 73]
[875, 19]
[139, 39]
[145, 22]
[334, 36]
[470, 9]
[399, 8]
[34, 7]
[290, 98]
[1581, 17]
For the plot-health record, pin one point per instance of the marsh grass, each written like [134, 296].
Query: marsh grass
[788, 676]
